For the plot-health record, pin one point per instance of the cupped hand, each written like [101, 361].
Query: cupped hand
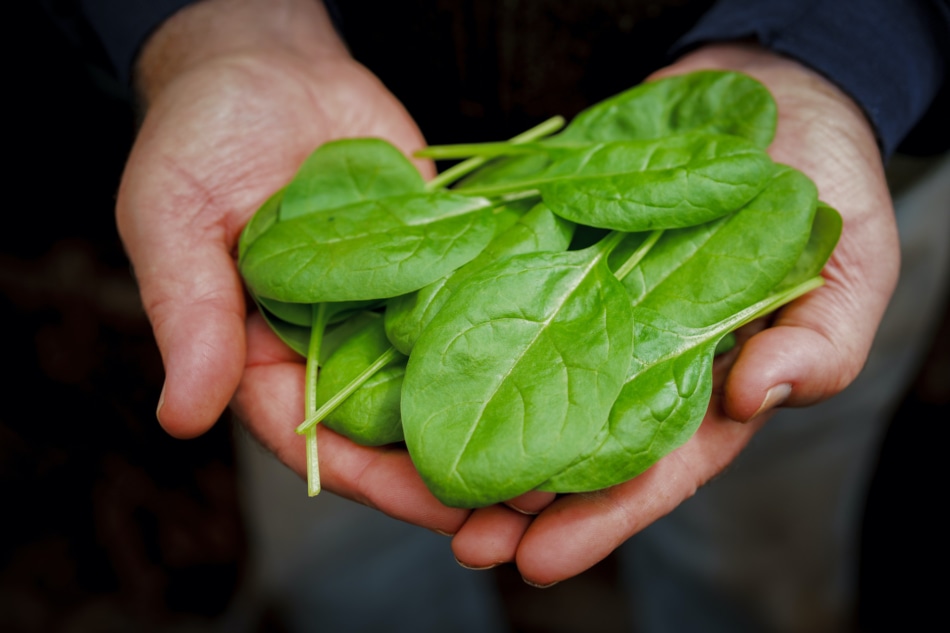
[809, 351]
[233, 108]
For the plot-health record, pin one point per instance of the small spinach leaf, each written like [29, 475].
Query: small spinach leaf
[370, 416]
[348, 171]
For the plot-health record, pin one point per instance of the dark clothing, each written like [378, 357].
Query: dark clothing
[891, 56]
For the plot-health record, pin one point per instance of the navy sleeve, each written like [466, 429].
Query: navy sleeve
[890, 56]
[123, 26]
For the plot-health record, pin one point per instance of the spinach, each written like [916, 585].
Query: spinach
[634, 185]
[368, 250]
[550, 322]
[370, 415]
[694, 287]
[537, 230]
[516, 373]
[704, 101]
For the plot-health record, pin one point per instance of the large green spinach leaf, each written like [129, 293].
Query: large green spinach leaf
[516, 374]
[640, 185]
[695, 286]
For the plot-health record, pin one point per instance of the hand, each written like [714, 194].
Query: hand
[238, 93]
[812, 349]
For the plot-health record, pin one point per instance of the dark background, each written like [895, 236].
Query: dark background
[109, 524]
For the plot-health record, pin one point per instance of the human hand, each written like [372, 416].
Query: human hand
[808, 351]
[237, 94]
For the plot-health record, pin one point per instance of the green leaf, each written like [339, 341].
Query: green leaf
[708, 272]
[349, 171]
[262, 220]
[694, 287]
[716, 102]
[713, 102]
[370, 416]
[538, 230]
[294, 336]
[368, 250]
[516, 374]
[634, 186]
[825, 231]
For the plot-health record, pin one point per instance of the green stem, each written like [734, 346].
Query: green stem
[464, 168]
[638, 254]
[384, 359]
[320, 317]
[608, 243]
[492, 149]
[773, 302]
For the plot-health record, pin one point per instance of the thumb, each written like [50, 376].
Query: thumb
[818, 344]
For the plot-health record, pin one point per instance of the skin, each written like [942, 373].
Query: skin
[238, 92]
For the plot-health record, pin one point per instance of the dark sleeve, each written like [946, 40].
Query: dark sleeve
[891, 56]
[122, 26]
[110, 33]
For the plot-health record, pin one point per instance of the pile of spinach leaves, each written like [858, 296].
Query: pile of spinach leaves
[550, 321]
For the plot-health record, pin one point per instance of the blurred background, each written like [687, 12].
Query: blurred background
[110, 525]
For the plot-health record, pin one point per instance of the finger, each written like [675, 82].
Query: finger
[269, 401]
[490, 537]
[584, 528]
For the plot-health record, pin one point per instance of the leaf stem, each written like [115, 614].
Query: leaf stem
[384, 359]
[464, 168]
[609, 242]
[638, 254]
[773, 302]
[320, 317]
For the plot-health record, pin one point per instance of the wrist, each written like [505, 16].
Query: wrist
[213, 31]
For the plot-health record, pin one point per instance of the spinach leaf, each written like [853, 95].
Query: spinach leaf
[370, 416]
[262, 220]
[678, 181]
[538, 230]
[348, 171]
[368, 250]
[294, 336]
[716, 102]
[694, 287]
[516, 374]
[825, 231]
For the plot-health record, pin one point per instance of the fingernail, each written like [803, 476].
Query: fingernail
[775, 396]
[536, 585]
[161, 403]
[442, 532]
[473, 568]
